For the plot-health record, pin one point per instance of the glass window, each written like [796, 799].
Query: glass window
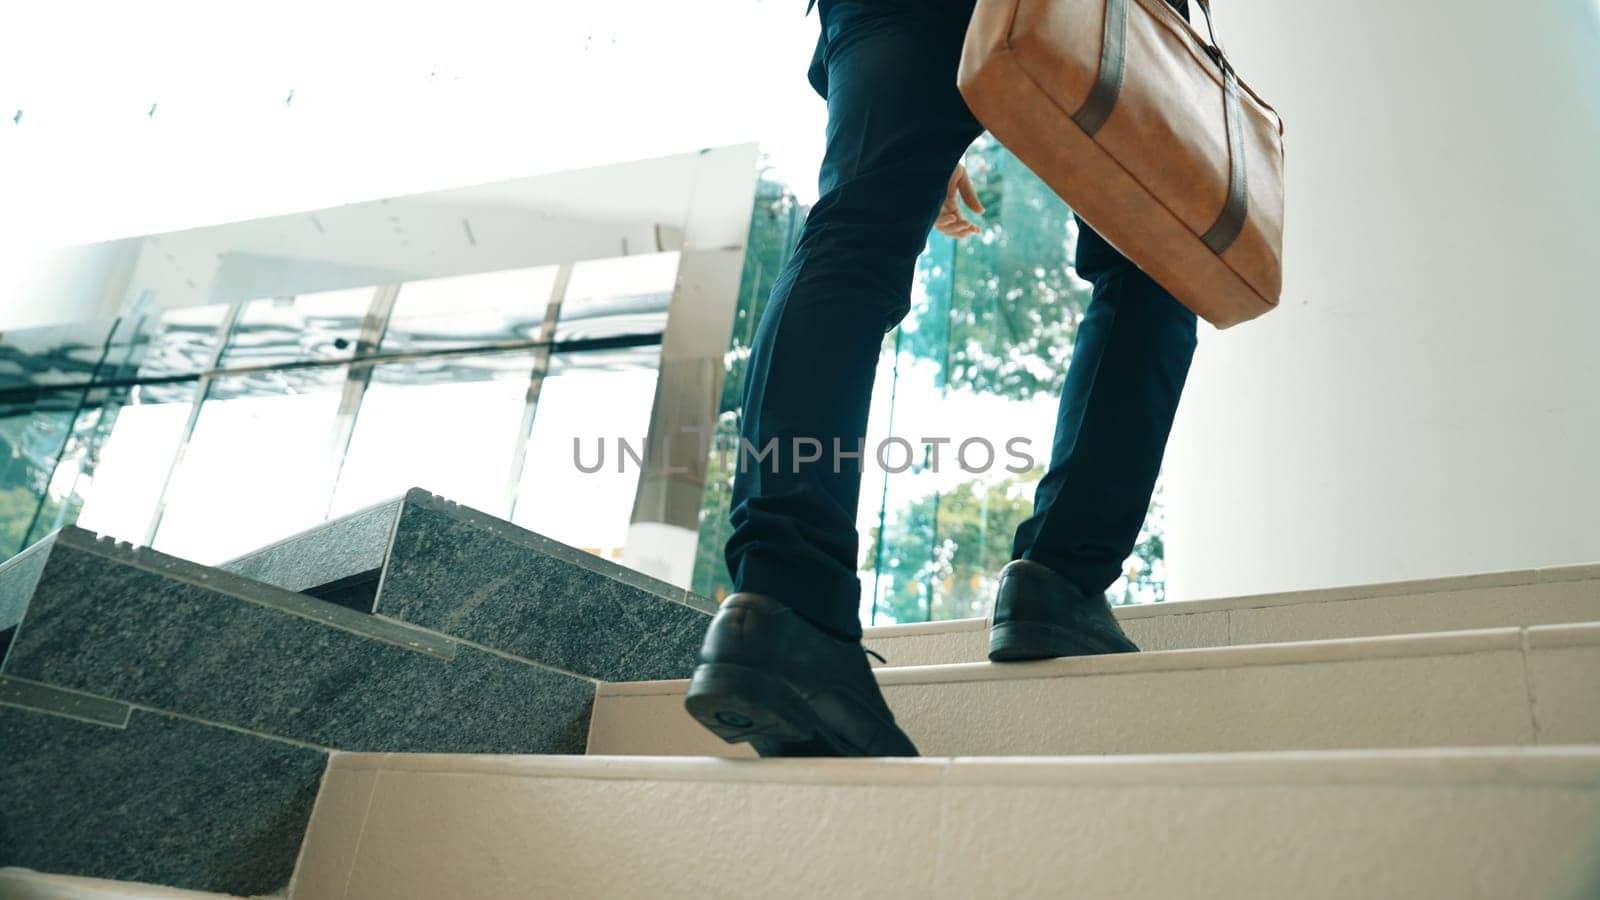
[119, 474]
[625, 295]
[448, 425]
[31, 438]
[589, 398]
[445, 313]
[258, 466]
[55, 355]
[181, 342]
[295, 329]
[775, 222]
[981, 359]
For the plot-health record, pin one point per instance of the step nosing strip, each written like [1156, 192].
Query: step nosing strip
[58, 701]
[1407, 767]
[1384, 590]
[268, 596]
[1340, 650]
[1562, 635]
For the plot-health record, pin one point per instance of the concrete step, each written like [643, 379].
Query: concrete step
[1504, 686]
[425, 561]
[166, 722]
[1447, 824]
[1493, 600]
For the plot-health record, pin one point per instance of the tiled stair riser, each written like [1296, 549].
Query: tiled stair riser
[1479, 688]
[1328, 826]
[1558, 595]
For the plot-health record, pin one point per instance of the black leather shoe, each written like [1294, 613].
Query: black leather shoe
[773, 679]
[1038, 614]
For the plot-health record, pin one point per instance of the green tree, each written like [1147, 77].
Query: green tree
[941, 553]
[1000, 310]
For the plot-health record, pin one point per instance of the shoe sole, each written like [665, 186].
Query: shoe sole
[744, 705]
[1024, 641]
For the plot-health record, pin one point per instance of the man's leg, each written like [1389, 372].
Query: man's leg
[1128, 368]
[896, 128]
[782, 666]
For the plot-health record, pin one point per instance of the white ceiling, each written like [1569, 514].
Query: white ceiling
[690, 200]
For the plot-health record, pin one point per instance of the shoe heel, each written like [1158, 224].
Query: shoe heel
[1020, 641]
[741, 704]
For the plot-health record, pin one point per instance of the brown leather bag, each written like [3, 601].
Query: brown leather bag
[1145, 130]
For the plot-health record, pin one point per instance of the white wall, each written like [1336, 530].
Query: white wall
[1427, 400]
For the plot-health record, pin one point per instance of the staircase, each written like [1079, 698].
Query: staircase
[421, 701]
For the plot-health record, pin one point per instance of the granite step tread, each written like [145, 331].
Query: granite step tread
[1503, 686]
[1547, 596]
[1448, 823]
[438, 565]
[135, 626]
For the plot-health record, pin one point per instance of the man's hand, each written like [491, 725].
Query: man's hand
[951, 221]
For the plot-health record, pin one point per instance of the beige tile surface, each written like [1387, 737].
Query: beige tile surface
[1178, 630]
[1493, 823]
[1448, 700]
[334, 834]
[1564, 678]
[440, 835]
[1272, 841]
[1464, 688]
[932, 647]
[652, 724]
[1529, 604]
[1492, 600]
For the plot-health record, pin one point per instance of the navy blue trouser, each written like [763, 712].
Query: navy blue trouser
[897, 126]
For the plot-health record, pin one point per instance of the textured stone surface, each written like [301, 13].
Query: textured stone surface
[456, 570]
[148, 629]
[452, 571]
[166, 800]
[344, 548]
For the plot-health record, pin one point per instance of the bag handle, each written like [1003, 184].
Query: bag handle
[1214, 50]
[1230, 221]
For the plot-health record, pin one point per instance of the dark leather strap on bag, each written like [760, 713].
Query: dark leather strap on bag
[1146, 130]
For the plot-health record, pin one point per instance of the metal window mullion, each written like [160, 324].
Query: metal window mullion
[541, 368]
[357, 379]
[202, 388]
